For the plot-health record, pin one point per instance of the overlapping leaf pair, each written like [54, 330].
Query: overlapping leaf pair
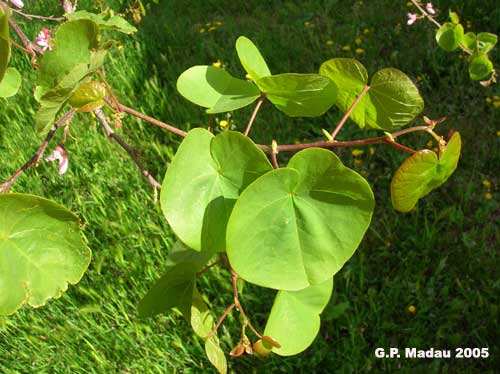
[10, 79]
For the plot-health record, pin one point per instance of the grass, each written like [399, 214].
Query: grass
[440, 258]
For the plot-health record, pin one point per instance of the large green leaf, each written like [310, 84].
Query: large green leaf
[4, 42]
[41, 251]
[294, 319]
[251, 59]
[422, 172]
[10, 83]
[216, 89]
[299, 95]
[297, 226]
[392, 100]
[73, 44]
[175, 288]
[449, 36]
[480, 67]
[115, 23]
[205, 178]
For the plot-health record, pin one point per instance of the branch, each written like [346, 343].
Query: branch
[65, 119]
[144, 117]
[32, 49]
[254, 114]
[129, 149]
[424, 13]
[34, 16]
[221, 319]
[347, 114]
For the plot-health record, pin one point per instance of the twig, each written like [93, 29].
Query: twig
[147, 118]
[34, 16]
[234, 281]
[427, 15]
[274, 154]
[129, 149]
[30, 47]
[221, 319]
[208, 267]
[65, 119]
[254, 114]
[346, 115]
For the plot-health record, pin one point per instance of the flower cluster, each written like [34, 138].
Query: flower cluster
[44, 39]
[413, 17]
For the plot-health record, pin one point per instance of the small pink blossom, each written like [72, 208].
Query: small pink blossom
[17, 3]
[68, 6]
[44, 39]
[60, 155]
[412, 18]
[430, 8]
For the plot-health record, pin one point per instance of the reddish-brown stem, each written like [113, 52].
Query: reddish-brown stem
[347, 114]
[144, 117]
[254, 114]
[32, 49]
[234, 281]
[221, 320]
[33, 161]
[128, 148]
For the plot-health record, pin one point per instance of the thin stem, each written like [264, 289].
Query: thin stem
[424, 12]
[147, 118]
[34, 16]
[33, 161]
[274, 154]
[254, 114]
[346, 115]
[208, 267]
[30, 47]
[128, 148]
[221, 319]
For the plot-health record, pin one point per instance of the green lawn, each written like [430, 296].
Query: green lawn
[440, 258]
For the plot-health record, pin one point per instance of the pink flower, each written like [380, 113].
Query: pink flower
[17, 3]
[430, 8]
[59, 154]
[412, 18]
[44, 38]
[68, 6]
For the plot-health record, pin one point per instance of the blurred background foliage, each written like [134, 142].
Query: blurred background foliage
[424, 279]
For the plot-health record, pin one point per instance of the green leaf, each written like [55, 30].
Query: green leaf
[449, 36]
[454, 17]
[88, 96]
[10, 83]
[202, 320]
[294, 319]
[4, 42]
[41, 251]
[216, 355]
[299, 95]
[251, 59]
[469, 41]
[423, 172]
[392, 99]
[115, 23]
[204, 180]
[216, 89]
[480, 67]
[486, 41]
[297, 226]
[175, 288]
[73, 44]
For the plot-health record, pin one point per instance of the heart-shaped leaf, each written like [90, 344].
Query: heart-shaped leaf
[449, 36]
[216, 89]
[41, 251]
[294, 319]
[88, 96]
[4, 41]
[297, 226]
[423, 172]
[10, 83]
[480, 67]
[251, 59]
[391, 100]
[299, 95]
[205, 178]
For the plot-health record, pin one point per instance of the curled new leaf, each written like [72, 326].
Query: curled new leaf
[307, 218]
[88, 96]
[294, 319]
[216, 89]
[41, 251]
[423, 172]
[389, 101]
[207, 175]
